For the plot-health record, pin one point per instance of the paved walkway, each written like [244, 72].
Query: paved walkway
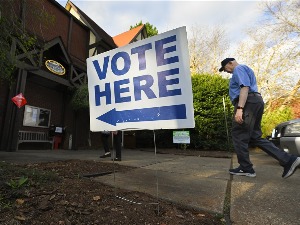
[197, 182]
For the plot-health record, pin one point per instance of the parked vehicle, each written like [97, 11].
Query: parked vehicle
[287, 136]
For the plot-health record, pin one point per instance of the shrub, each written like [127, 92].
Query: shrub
[271, 119]
[212, 119]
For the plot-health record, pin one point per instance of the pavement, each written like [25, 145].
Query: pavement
[201, 183]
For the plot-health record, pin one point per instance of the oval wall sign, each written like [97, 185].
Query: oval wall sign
[55, 67]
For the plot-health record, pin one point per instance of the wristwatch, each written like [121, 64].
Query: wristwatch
[240, 107]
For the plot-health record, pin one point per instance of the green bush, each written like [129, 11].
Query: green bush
[212, 119]
[80, 98]
[271, 119]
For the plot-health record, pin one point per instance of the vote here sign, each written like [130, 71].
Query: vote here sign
[144, 85]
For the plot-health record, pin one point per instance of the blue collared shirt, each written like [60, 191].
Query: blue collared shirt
[242, 76]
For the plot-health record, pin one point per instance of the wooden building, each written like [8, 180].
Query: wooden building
[48, 74]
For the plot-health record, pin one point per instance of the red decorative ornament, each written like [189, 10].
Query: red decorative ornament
[19, 100]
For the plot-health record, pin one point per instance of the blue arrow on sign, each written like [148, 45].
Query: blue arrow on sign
[147, 114]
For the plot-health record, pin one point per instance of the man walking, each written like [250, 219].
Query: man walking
[246, 128]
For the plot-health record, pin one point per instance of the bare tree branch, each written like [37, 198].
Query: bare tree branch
[273, 51]
[207, 47]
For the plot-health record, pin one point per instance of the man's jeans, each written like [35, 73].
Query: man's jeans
[249, 133]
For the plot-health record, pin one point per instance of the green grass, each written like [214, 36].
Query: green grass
[16, 180]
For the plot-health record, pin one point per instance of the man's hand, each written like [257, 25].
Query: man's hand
[239, 116]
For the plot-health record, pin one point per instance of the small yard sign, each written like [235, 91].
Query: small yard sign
[181, 137]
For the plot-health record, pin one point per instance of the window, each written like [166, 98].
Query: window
[292, 130]
[36, 117]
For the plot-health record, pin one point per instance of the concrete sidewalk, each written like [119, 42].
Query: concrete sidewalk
[268, 198]
[197, 182]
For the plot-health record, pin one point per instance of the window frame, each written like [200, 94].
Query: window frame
[32, 116]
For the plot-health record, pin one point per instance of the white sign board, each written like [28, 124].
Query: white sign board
[181, 137]
[143, 85]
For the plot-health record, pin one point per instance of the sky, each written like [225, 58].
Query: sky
[116, 17]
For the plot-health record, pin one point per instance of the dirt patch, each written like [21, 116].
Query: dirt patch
[58, 193]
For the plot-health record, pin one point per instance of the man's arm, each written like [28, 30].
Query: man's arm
[242, 101]
[243, 96]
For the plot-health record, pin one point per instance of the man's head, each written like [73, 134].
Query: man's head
[228, 65]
